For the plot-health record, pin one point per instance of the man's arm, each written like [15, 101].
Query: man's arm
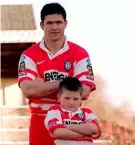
[38, 88]
[64, 133]
[86, 91]
[28, 80]
[84, 72]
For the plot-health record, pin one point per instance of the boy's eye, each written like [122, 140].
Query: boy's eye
[75, 98]
[67, 98]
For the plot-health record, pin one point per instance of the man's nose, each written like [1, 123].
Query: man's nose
[54, 26]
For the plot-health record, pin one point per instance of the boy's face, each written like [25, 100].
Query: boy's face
[70, 100]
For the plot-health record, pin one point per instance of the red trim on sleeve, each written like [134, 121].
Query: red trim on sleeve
[93, 85]
[22, 79]
[85, 82]
[31, 72]
[86, 73]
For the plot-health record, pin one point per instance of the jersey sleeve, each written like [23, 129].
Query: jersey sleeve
[93, 119]
[83, 69]
[26, 68]
[53, 120]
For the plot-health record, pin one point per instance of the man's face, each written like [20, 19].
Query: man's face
[54, 26]
[70, 100]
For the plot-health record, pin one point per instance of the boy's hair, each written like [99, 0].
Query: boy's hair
[71, 84]
[52, 8]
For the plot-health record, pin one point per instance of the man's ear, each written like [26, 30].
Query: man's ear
[42, 25]
[66, 22]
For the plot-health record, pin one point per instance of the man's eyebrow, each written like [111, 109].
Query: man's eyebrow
[54, 21]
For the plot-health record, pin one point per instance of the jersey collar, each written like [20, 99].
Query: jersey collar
[50, 55]
[78, 111]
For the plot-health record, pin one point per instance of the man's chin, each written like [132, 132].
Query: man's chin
[54, 39]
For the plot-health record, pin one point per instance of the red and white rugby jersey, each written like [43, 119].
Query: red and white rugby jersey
[57, 117]
[71, 60]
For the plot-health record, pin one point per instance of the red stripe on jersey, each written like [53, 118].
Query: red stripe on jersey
[89, 83]
[93, 86]
[31, 72]
[83, 73]
[86, 110]
[53, 120]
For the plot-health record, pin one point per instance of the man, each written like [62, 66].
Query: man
[45, 64]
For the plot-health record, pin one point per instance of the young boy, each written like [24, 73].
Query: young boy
[68, 122]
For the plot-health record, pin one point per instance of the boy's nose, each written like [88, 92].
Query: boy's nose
[71, 102]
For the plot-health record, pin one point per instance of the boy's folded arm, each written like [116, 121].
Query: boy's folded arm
[85, 129]
[64, 133]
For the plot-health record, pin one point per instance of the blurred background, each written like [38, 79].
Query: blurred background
[106, 29]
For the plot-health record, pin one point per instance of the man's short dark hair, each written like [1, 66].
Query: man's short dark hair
[52, 8]
[71, 84]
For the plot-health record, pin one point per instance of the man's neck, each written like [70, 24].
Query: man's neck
[54, 46]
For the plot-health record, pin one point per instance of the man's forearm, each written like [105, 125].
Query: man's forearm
[38, 89]
[64, 133]
[86, 92]
[85, 129]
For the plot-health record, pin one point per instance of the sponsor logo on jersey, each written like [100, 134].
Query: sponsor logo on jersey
[90, 70]
[67, 65]
[54, 75]
[88, 61]
[67, 121]
[52, 122]
[40, 62]
[22, 66]
[22, 58]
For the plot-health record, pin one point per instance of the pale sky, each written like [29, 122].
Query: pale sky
[106, 29]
